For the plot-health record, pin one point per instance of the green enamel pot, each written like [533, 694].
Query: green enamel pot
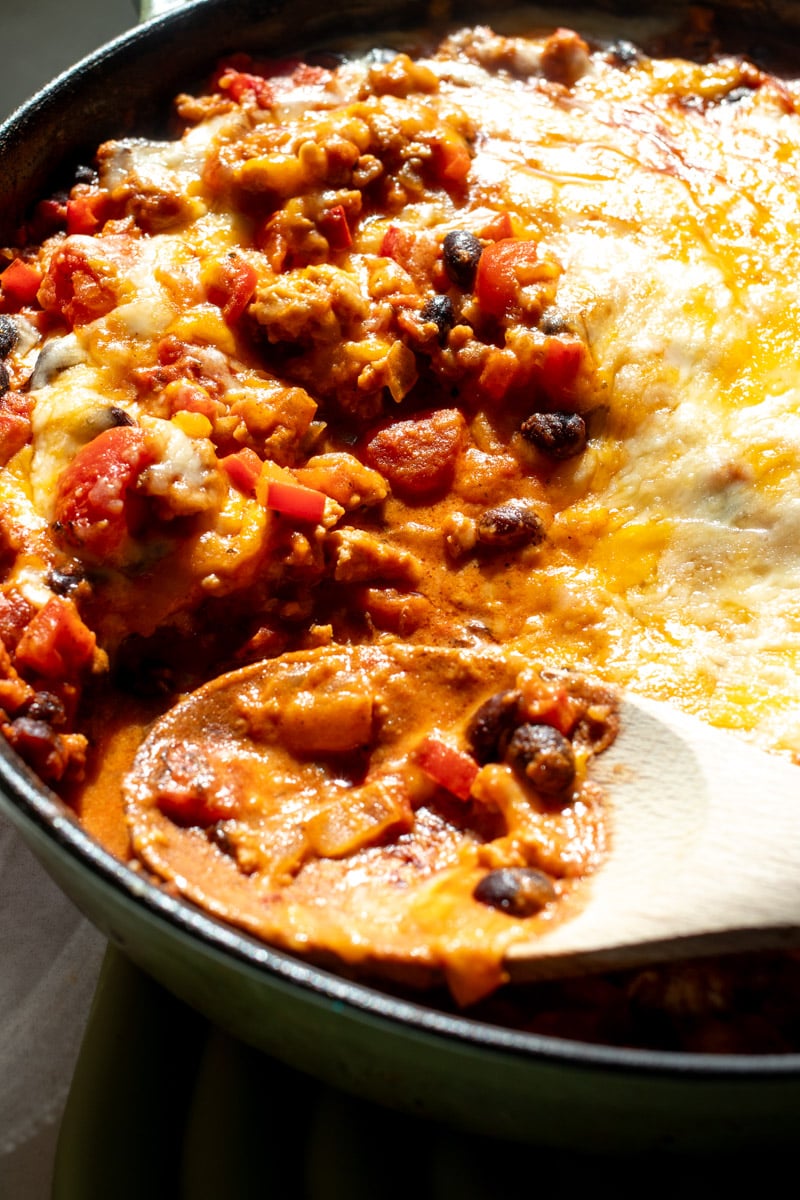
[403, 1056]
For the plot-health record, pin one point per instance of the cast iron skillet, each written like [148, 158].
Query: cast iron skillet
[468, 1074]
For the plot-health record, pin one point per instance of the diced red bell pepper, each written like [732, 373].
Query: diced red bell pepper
[448, 766]
[293, 500]
[243, 469]
[20, 282]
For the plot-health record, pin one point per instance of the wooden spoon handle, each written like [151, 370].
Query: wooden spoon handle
[705, 853]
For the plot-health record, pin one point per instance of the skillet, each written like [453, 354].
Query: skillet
[395, 1051]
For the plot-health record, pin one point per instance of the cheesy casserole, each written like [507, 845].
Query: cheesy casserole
[402, 402]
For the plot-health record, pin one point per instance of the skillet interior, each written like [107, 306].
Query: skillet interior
[111, 93]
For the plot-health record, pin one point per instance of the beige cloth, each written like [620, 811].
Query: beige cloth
[49, 961]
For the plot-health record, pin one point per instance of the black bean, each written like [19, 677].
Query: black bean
[557, 434]
[45, 706]
[509, 527]
[735, 95]
[552, 321]
[100, 420]
[40, 746]
[461, 254]
[439, 310]
[518, 891]
[5, 379]
[84, 174]
[379, 55]
[118, 416]
[623, 54]
[491, 727]
[65, 580]
[219, 836]
[544, 756]
[9, 335]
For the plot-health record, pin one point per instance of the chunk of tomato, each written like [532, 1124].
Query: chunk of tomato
[231, 286]
[417, 456]
[80, 284]
[503, 270]
[56, 643]
[94, 506]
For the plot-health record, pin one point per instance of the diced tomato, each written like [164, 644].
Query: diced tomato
[193, 807]
[94, 508]
[15, 424]
[396, 244]
[561, 366]
[448, 766]
[243, 469]
[79, 289]
[56, 643]
[450, 158]
[499, 373]
[231, 285]
[188, 791]
[418, 253]
[240, 76]
[500, 226]
[21, 282]
[304, 74]
[15, 613]
[502, 272]
[292, 500]
[417, 456]
[182, 396]
[86, 212]
[336, 229]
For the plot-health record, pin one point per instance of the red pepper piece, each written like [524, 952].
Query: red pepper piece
[448, 766]
[20, 282]
[292, 500]
[243, 469]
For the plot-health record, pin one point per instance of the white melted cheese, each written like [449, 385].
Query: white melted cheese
[678, 247]
[64, 420]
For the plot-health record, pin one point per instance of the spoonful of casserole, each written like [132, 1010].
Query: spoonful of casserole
[408, 811]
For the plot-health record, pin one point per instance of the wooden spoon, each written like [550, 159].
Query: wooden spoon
[705, 853]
